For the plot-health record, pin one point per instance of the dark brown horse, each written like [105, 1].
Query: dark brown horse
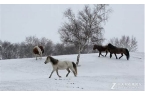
[38, 51]
[112, 49]
[100, 49]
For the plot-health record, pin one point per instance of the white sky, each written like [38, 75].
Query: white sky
[20, 21]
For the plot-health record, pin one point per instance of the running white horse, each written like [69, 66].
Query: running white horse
[61, 65]
[38, 51]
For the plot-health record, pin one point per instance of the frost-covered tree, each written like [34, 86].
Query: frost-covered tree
[85, 27]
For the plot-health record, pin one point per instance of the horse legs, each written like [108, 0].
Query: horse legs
[110, 55]
[40, 55]
[106, 53]
[68, 72]
[35, 56]
[121, 55]
[57, 73]
[115, 55]
[100, 54]
[51, 73]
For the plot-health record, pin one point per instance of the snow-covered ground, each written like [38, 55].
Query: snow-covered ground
[94, 74]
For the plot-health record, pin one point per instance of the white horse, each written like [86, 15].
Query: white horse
[38, 51]
[61, 65]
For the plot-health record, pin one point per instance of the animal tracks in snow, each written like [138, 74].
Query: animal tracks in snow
[69, 83]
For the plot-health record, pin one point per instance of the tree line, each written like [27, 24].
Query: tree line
[24, 49]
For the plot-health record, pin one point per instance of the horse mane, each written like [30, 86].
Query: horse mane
[111, 46]
[54, 61]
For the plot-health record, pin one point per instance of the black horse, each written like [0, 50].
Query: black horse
[100, 49]
[112, 49]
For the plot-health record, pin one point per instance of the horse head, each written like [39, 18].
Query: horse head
[51, 59]
[95, 47]
[47, 60]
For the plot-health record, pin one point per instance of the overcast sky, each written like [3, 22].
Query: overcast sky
[19, 21]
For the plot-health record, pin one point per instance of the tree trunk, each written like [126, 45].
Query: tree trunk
[79, 52]
[78, 57]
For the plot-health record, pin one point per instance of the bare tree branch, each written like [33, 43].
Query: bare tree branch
[84, 28]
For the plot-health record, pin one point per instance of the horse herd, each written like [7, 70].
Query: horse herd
[113, 50]
[68, 65]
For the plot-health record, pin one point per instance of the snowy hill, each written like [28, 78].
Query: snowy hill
[94, 74]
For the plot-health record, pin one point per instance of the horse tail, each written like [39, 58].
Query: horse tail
[127, 54]
[75, 67]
